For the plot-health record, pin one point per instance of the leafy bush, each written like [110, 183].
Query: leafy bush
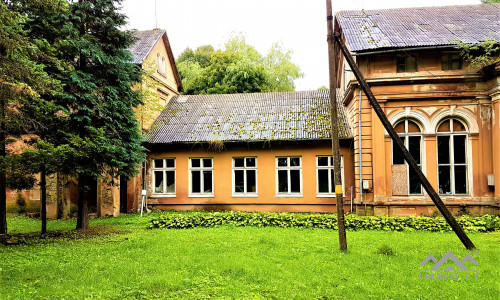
[316, 220]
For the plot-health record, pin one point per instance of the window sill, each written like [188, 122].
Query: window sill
[245, 195]
[201, 196]
[327, 195]
[289, 195]
[163, 196]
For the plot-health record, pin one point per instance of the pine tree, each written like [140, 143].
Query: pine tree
[22, 81]
[99, 98]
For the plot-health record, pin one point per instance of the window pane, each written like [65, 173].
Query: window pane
[458, 126]
[444, 127]
[239, 162]
[207, 181]
[444, 180]
[323, 181]
[195, 181]
[158, 181]
[238, 181]
[195, 163]
[415, 187]
[282, 162]
[397, 155]
[411, 64]
[414, 147]
[295, 181]
[460, 180]
[459, 149]
[443, 149]
[170, 181]
[323, 161]
[413, 127]
[207, 163]
[251, 181]
[331, 160]
[250, 161]
[282, 181]
[158, 163]
[401, 64]
[400, 128]
[170, 163]
[294, 161]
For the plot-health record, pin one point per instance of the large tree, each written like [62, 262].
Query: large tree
[239, 68]
[99, 97]
[22, 81]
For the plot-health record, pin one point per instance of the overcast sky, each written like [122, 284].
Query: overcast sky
[300, 25]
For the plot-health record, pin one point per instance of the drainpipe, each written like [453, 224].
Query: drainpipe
[360, 154]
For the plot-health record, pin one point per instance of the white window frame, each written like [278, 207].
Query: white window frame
[406, 136]
[452, 164]
[245, 168]
[288, 168]
[331, 188]
[164, 169]
[201, 168]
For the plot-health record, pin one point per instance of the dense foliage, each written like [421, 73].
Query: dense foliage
[239, 68]
[327, 221]
[66, 71]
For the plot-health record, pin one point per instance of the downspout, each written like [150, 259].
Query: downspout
[360, 150]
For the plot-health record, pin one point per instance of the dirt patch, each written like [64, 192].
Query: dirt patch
[52, 236]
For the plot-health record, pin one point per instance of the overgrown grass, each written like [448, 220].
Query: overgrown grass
[132, 262]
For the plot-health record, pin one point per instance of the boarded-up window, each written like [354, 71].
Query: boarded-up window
[404, 180]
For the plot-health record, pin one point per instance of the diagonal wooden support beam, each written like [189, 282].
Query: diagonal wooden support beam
[395, 138]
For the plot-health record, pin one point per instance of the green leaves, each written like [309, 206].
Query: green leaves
[315, 220]
[239, 68]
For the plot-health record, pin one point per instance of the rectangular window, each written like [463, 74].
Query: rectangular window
[451, 61]
[325, 175]
[164, 176]
[201, 177]
[406, 64]
[452, 164]
[289, 175]
[244, 176]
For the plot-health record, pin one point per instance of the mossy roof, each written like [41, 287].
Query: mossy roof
[247, 117]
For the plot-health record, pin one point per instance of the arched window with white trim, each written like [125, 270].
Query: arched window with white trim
[404, 180]
[452, 156]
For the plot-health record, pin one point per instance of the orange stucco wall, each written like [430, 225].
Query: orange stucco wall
[427, 97]
[267, 199]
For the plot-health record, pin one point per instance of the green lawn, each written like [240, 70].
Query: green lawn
[124, 260]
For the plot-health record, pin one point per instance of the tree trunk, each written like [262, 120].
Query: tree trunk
[82, 221]
[43, 198]
[3, 179]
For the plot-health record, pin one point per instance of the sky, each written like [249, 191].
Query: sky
[299, 25]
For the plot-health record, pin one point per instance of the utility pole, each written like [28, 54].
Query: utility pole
[334, 128]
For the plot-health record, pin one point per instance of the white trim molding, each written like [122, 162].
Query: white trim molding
[453, 112]
[419, 116]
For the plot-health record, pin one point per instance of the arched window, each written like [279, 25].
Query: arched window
[405, 181]
[452, 157]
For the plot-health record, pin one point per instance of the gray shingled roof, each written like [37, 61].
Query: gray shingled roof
[247, 117]
[419, 26]
[146, 40]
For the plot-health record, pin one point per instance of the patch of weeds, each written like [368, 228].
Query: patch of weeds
[385, 250]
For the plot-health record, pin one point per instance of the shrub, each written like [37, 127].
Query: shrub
[316, 220]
